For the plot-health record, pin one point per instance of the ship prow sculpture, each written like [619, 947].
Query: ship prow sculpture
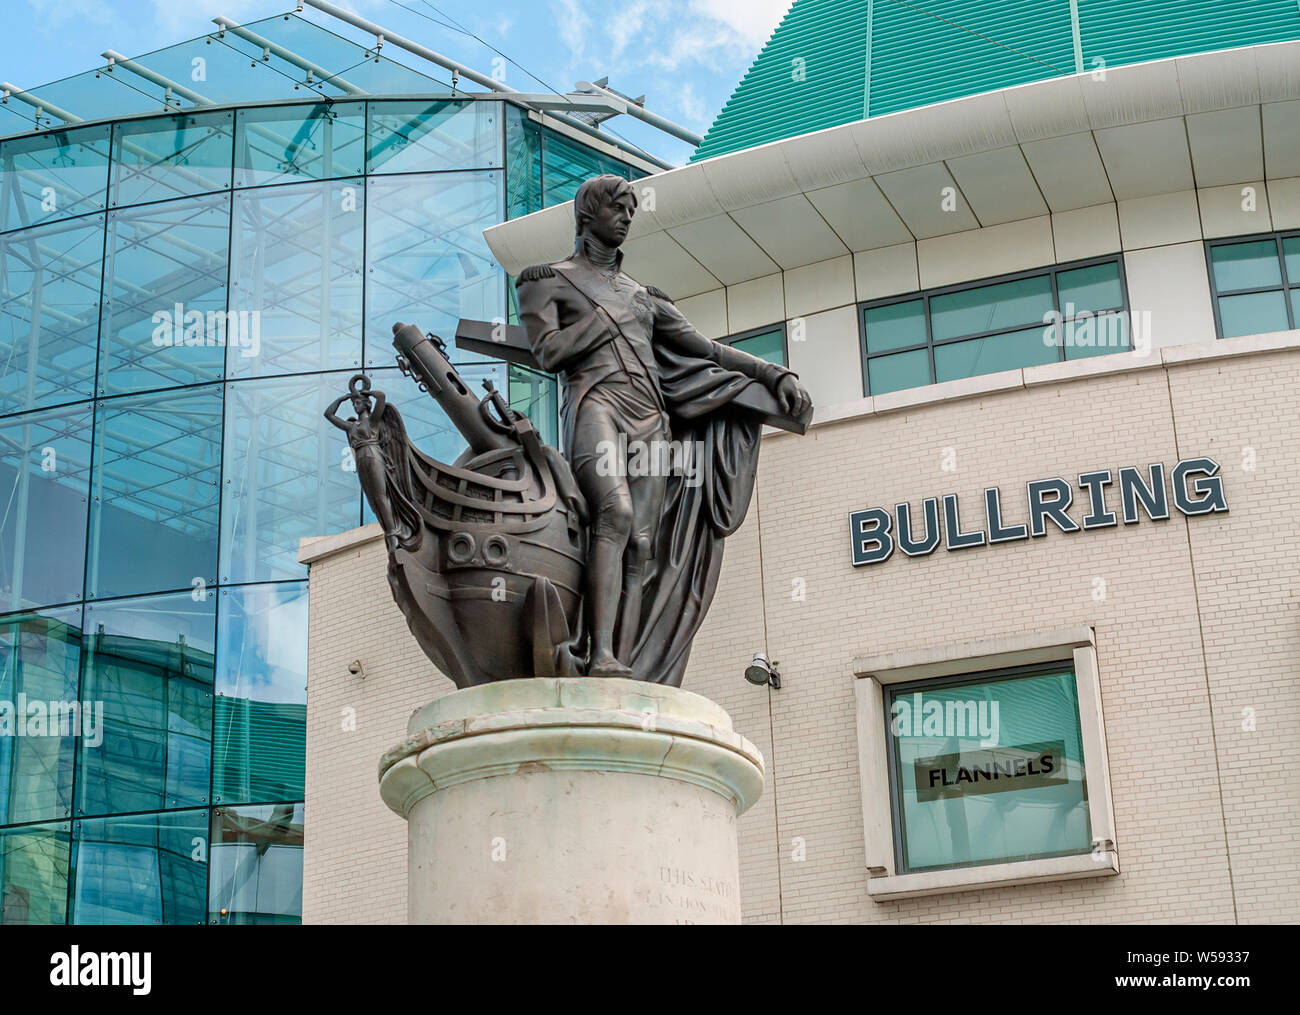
[519, 561]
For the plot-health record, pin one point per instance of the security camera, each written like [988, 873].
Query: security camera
[762, 672]
[356, 669]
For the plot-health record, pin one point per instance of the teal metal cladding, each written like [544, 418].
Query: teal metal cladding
[831, 62]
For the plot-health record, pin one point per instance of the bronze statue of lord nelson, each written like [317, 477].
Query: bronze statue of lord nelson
[640, 380]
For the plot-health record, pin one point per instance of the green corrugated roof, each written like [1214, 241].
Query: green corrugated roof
[836, 61]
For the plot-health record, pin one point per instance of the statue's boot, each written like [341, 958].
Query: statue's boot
[603, 567]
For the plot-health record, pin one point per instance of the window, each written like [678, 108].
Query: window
[171, 156]
[983, 765]
[284, 144]
[53, 175]
[765, 343]
[987, 768]
[255, 867]
[1255, 283]
[1062, 313]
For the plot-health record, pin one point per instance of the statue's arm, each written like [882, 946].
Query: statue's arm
[332, 412]
[674, 330]
[377, 410]
[554, 347]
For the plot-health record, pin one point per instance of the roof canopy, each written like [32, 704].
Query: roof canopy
[1215, 119]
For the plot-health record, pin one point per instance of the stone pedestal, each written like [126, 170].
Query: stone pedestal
[584, 800]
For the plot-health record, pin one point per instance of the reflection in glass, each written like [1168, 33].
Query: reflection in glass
[44, 482]
[171, 156]
[523, 163]
[989, 355]
[150, 662]
[770, 345]
[1095, 287]
[898, 370]
[895, 326]
[428, 136]
[296, 278]
[49, 313]
[141, 869]
[566, 163]
[40, 654]
[285, 144]
[428, 261]
[1252, 265]
[154, 496]
[165, 295]
[1253, 313]
[53, 175]
[261, 708]
[256, 861]
[951, 821]
[990, 308]
[286, 475]
[34, 874]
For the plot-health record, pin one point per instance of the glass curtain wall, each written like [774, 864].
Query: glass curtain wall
[182, 297]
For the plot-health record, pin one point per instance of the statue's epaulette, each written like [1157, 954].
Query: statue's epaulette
[535, 272]
[658, 293]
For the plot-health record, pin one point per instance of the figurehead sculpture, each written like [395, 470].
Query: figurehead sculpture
[515, 561]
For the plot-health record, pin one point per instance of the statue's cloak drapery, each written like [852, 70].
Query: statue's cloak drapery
[683, 573]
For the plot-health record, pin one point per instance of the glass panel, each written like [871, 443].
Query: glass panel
[49, 313]
[996, 774]
[424, 136]
[991, 307]
[296, 267]
[1251, 265]
[256, 874]
[40, 654]
[171, 156]
[1253, 314]
[523, 163]
[1295, 308]
[34, 874]
[895, 326]
[53, 176]
[285, 144]
[1093, 288]
[429, 263]
[149, 666]
[1096, 336]
[165, 295]
[44, 480]
[566, 164]
[769, 346]
[285, 475]
[141, 868]
[536, 396]
[901, 370]
[154, 498]
[989, 355]
[1291, 254]
[261, 708]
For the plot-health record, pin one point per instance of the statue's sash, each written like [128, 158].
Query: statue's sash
[615, 316]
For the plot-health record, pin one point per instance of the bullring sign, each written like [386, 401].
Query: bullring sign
[1195, 484]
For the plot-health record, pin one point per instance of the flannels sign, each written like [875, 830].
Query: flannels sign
[1194, 486]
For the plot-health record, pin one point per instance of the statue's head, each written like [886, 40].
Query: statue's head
[603, 208]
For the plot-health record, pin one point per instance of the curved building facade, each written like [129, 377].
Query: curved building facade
[198, 248]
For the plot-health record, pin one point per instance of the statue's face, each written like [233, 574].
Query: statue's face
[611, 223]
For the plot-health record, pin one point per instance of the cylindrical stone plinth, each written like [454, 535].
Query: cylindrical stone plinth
[584, 800]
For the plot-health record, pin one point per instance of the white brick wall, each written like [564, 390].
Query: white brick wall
[1201, 620]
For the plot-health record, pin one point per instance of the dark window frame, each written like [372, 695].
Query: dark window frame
[1285, 287]
[890, 694]
[926, 295]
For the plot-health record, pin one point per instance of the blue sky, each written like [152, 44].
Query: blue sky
[685, 55]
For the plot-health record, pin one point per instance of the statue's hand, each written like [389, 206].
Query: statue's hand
[793, 397]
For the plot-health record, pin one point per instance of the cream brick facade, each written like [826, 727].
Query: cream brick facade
[1197, 635]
